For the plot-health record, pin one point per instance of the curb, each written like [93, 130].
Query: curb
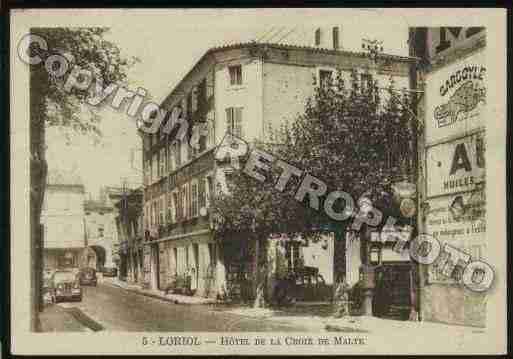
[155, 296]
[84, 319]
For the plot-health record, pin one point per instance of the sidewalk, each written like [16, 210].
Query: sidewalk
[319, 318]
[173, 298]
[56, 319]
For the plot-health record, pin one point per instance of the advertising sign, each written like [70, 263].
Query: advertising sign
[456, 166]
[460, 221]
[455, 98]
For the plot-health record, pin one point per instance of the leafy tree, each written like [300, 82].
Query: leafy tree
[355, 139]
[51, 105]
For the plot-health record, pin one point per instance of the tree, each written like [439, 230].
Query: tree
[355, 139]
[51, 105]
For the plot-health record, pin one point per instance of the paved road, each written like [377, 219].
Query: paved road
[117, 309]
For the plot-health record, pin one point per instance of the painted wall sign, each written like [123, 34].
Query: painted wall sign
[460, 221]
[456, 166]
[455, 98]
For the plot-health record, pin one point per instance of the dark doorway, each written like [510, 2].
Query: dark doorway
[100, 256]
[392, 297]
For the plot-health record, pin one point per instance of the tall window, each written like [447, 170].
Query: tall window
[154, 167]
[175, 254]
[194, 194]
[153, 210]
[169, 215]
[188, 192]
[190, 151]
[212, 254]
[163, 162]
[145, 173]
[184, 202]
[318, 37]
[178, 153]
[235, 75]
[146, 217]
[210, 188]
[325, 77]
[366, 81]
[162, 209]
[234, 121]
[202, 195]
[336, 39]
[170, 159]
[178, 207]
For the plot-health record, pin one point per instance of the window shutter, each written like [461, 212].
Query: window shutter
[336, 43]
[317, 37]
[229, 119]
[238, 121]
[189, 200]
[201, 193]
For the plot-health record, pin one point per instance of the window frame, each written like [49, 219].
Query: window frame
[234, 123]
[319, 70]
[194, 199]
[236, 80]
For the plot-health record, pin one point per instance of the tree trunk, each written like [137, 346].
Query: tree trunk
[38, 175]
[260, 274]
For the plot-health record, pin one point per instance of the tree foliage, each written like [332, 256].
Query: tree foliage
[354, 137]
[88, 49]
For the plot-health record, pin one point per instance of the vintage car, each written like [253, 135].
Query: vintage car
[66, 286]
[110, 271]
[303, 284]
[87, 276]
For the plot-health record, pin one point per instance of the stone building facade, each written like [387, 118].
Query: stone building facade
[246, 89]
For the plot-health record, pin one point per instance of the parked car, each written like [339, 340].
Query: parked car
[87, 276]
[110, 271]
[66, 286]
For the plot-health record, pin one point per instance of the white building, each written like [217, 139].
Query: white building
[63, 220]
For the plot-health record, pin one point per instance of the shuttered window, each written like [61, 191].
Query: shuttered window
[194, 199]
[178, 207]
[234, 121]
[317, 37]
[178, 154]
[336, 40]
[235, 75]
[163, 162]
[169, 208]
[202, 196]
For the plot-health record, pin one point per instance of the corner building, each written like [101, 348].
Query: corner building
[245, 89]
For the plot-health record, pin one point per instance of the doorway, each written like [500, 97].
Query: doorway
[392, 297]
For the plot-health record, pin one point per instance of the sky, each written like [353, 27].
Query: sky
[168, 43]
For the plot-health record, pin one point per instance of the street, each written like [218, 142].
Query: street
[117, 309]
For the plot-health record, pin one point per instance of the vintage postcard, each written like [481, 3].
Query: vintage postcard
[258, 181]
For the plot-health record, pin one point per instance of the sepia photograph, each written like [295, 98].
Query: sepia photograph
[258, 181]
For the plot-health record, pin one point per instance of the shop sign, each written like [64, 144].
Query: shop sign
[456, 166]
[456, 98]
